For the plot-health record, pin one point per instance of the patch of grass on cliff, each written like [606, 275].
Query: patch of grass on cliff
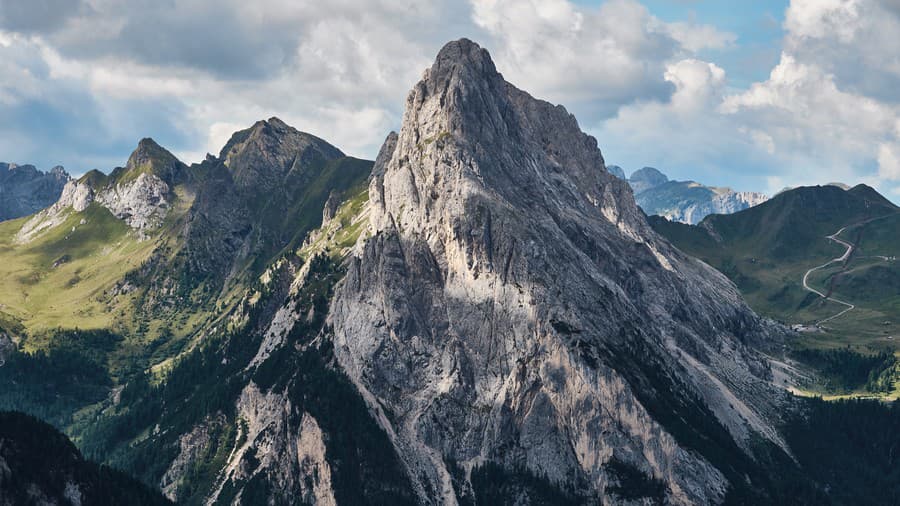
[344, 230]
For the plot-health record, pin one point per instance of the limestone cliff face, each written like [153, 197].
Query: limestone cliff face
[141, 193]
[76, 196]
[142, 203]
[512, 305]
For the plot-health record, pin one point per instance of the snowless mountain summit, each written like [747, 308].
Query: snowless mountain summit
[512, 306]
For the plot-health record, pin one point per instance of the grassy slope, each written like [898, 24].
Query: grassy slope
[59, 279]
[767, 249]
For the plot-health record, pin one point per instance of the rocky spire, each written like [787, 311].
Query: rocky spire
[508, 288]
[151, 158]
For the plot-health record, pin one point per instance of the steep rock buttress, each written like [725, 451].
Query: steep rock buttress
[511, 306]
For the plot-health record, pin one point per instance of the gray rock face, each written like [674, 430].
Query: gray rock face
[263, 156]
[730, 201]
[192, 446]
[513, 306]
[254, 194]
[290, 456]
[25, 190]
[141, 203]
[690, 202]
[76, 196]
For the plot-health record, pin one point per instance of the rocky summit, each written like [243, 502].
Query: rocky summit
[512, 307]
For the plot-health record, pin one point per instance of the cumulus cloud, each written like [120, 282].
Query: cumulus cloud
[831, 103]
[807, 112]
[337, 69]
[889, 162]
[332, 68]
[856, 41]
[593, 59]
[687, 135]
[827, 111]
[82, 80]
[54, 119]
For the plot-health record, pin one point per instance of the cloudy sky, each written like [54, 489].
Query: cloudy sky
[756, 95]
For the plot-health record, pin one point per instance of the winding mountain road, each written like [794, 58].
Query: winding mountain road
[842, 258]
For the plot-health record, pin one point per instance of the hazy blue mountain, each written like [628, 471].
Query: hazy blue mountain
[25, 189]
[684, 201]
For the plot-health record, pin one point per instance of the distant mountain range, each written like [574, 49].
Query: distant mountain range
[683, 201]
[25, 189]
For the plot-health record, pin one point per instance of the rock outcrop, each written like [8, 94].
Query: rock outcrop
[76, 196]
[25, 190]
[265, 190]
[141, 203]
[512, 307]
[140, 194]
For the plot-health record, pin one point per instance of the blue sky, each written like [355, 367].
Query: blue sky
[754, 95]
[757, 25]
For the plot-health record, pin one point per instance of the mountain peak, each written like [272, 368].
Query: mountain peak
[276, 121]
[464, 107]
[151, 157]
[646, 178]
[463, 53]
[649, 174]
[260, 156]
[59, 171]
[471, 93]
[24, 189]
[617, 171]
[273, 125]
[494, 226]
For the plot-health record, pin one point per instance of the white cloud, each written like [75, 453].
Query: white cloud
[86, 84]
[821, 18]
[697, 84]
[808, 113]
[856, 41]
[336, 69]
[698, 37]
[594, 59]
[828, 111]
[889, 162]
